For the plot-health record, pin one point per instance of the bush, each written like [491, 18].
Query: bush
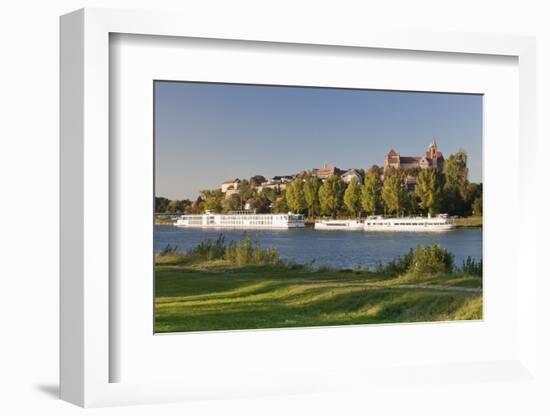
[430, 260]
[243, 252]
[168, 250]
[399, 265]
[471, 267]
[210, 249]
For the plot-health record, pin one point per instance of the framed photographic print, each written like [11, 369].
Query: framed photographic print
[290, 240]
[271, 212]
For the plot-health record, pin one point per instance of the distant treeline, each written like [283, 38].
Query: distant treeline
[436, 191]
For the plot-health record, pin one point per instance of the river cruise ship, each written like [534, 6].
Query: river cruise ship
[417, 224]
[241, 219]
[351, 225]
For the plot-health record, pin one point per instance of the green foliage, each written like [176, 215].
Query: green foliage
[232, 203]
[210, 249]
[274, 296]
[477, 206]
[311, 195]
[168, 250]
[430, 260]
[429, 189]
[166, 205]
[259, 204]
[243, 252]
[246, 191]
[471, 267]
[161, 204]
[456, 170]
[280, 205]
[257, 180]
[396, 267]
[213, 204]
[352, 197]
[395, 195]
[472, 191]
[331, 194]
[371, 199]
[456, 188]
[269, 194]
[295, 196]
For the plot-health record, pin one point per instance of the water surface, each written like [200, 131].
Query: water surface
[340, 249]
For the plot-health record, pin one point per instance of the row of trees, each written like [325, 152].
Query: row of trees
[435, 192]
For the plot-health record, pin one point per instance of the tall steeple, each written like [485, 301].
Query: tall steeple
[432, 149]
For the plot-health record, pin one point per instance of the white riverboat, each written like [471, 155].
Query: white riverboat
[416, 224]
[241, 219]
[350, 225]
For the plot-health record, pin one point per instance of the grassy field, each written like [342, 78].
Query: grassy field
[199, 295]
[473, 221]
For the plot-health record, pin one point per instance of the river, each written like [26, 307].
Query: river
[339, 249]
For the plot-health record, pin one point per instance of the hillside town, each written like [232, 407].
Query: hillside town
[433, 158]
[426, 183]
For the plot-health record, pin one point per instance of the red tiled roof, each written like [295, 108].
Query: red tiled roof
[231, 181]
[408, 159]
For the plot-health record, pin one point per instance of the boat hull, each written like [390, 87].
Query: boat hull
[242, 226]
[423, 229]
[338, 226]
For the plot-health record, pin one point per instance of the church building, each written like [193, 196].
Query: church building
[432, 158]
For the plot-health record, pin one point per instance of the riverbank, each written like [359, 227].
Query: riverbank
[472, 222]
[193, 294]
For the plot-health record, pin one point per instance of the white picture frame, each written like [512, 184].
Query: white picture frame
[86, 356]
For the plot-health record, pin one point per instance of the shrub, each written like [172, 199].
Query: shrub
[397, 266]
[471, 267]
[168, 250]
[430, 260]
[211, 249]
[243, 252]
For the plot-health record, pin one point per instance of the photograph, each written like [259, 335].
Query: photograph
[294, 207]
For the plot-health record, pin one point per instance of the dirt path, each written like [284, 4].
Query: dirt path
[441, 287]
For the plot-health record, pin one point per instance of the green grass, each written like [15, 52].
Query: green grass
[473, 221]
[197, 295]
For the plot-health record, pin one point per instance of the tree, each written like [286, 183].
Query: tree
[395, 196]
[268, 193]
[259, 205]
[455, 169]
[352, 197]
[456, 189]
[295, 196]
[477, 206]
[429, 190]
[330, 195]
[371, 190]
[246, 191]
[473, 191]
[197, 206]
[257, 180]
[178, 205]
[311, 195]
[279, 205]
[213, 204]
[161, 204]
[232, 203]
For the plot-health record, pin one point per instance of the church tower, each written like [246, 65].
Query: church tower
[432, 150]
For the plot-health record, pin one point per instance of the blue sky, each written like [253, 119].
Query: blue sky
[207, 133]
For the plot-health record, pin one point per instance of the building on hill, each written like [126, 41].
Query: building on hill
[432, 158]
[326, 171]
[230, 186]
[350, 174]
[283, 178]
